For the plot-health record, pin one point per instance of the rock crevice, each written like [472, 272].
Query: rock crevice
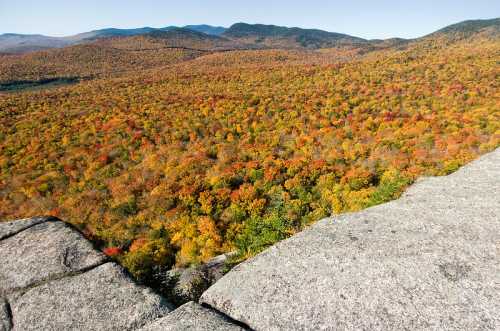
[6, 320]
[10, 229]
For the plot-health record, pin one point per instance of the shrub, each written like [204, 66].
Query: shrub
[142, 261]
[261, 232]
[390, 187]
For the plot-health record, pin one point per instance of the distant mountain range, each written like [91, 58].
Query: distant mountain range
[22, 43]
[252, 35]
[207, 29]
[279, 36]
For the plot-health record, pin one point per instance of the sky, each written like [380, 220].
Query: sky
[363, 18]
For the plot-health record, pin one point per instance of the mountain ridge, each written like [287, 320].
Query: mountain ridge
[259, 35]
[469, 27]
[22, 43]
[294, 37]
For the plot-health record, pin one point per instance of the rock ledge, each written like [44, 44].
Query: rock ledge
[429, 260]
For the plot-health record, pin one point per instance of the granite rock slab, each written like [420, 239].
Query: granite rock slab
[43, 252]
[103, 298]
[427, 261]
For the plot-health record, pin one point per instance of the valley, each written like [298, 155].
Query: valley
[167, 148]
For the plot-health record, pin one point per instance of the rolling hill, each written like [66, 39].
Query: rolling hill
[186, 38]
[21, 43]
[104, 57]
[110, 52]
[490, 27]
[273, 36]
[108, 33]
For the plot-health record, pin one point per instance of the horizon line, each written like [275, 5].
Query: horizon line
[227, 27]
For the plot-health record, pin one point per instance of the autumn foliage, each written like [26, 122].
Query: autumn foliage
[238, 150]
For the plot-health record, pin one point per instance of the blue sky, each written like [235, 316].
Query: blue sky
[363, 18]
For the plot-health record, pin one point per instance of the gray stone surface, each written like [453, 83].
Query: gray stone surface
[5, 323]
[43, 252]
[10, 228]
[192, 317]
[103, 298]
[428, 261]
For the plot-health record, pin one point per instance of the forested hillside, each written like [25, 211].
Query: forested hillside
[194, 154]
[109, 57]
